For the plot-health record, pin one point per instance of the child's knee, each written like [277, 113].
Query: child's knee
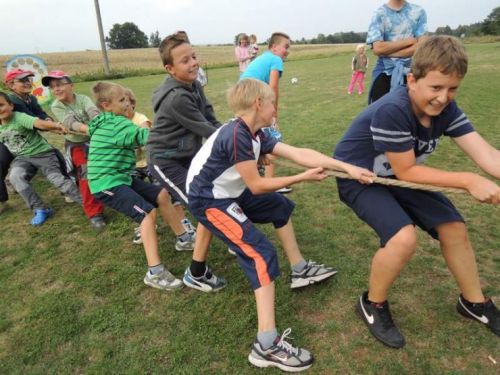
[163, 198]
[453, 231]
[18, 176]
[405, 240]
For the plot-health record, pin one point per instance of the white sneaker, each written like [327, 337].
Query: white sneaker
[284, 190]
[312, 273]
[163, 280]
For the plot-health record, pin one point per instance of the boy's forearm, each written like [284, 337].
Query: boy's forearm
[385, 48]
[427, 175]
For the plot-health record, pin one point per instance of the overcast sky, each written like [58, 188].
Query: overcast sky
[35, 26]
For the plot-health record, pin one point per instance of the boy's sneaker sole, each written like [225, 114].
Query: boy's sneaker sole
[300, 283]
[263, 363]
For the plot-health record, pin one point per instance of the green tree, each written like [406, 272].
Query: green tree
[491, 25]
[154, 39]
[127, 35]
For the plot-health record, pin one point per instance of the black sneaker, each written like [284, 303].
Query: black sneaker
[377, 317]
[281, 354]
[486, 313]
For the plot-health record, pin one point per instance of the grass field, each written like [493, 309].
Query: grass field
[74, 302]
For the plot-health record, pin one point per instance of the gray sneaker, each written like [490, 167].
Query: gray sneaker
[204, 283]
[186, 245]
[312, 273]
[163, 280]
[97, 222]
[282, 355]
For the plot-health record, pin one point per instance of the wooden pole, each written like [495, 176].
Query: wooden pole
[101, 37]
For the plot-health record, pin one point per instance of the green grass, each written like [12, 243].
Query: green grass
[74, 302]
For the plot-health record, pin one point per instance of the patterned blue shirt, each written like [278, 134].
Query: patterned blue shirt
[390, 25]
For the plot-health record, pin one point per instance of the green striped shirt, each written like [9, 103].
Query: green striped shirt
[111, 159]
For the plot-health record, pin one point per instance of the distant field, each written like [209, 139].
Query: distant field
[85, 62]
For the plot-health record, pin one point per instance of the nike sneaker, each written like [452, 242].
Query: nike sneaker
[281, 354]
[378, 319]
[486, 313]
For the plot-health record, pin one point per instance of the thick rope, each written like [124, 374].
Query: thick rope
[384, 181]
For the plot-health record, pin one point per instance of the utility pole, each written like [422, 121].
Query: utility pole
[101, 36]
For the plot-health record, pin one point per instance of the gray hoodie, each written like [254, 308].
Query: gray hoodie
[183, 117]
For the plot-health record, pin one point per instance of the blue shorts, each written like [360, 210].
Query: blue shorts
[172, 176]
[387, 209]
[135, 201]
[232, 220]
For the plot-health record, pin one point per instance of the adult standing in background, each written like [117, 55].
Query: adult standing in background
[393, 34]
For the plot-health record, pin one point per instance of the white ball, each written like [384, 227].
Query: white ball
[294, 80]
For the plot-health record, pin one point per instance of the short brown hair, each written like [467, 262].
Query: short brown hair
[443, 53]
[277, 38]
[169, 43]
[104, 92]
[241, 96]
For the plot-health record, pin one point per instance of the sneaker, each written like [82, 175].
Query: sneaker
[284, 190]
[41, 215]
[137, 239]
[312, 273]
[378, 319]
[188, 226]
[204, 283]
[282, 355]
[68, 199]
[163, 280]
[486, 313]
[231, 251]
[185, 245]
[97, 222]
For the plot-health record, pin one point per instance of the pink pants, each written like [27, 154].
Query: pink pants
[357, 76]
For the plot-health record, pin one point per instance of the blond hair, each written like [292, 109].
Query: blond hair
[252, 37]
[105, 92]
[276, 38]
[169, 43]
[359, 46]
[241, 96]
[443, 53]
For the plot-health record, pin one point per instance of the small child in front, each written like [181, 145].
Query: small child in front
[111, 162]
[393, 137]
[227, 195]
[32, 152]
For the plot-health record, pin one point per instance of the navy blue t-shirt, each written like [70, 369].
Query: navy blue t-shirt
[389, 125]
[212, 173]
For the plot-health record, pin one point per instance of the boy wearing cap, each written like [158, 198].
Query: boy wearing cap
[19, 82]
[75, 111]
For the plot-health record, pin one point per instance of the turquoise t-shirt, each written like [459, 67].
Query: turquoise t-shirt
[261, 67]
[21, 137]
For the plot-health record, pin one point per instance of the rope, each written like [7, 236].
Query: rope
[384, 181]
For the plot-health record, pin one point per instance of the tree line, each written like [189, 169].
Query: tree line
[128, 34]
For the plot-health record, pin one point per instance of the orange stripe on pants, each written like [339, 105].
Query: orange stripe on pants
[234, 233]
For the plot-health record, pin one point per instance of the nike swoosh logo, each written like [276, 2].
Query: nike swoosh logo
[481, 318]
[279, 358]
[368, 317]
